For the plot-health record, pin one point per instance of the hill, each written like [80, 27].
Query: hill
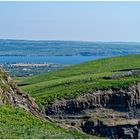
[67, 48]
[21, 118]
[100, 97]
[16, 123]
[83, 78]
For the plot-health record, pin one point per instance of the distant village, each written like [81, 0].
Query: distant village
[29, 69]
[31, 64]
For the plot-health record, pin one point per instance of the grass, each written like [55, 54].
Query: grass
[80, 79]
[16, 123]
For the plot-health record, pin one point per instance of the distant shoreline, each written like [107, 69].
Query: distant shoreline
[50, 55]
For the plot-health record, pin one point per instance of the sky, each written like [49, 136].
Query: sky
[83, 21]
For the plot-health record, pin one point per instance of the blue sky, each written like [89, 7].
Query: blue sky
[94, 21]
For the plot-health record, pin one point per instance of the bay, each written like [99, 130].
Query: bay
[50, 59]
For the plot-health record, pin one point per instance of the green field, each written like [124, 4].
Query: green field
[16, 123]
[80, 79]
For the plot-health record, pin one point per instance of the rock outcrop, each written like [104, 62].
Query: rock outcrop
[127, 131]
[12, 95]
[123, 99]
[124, 73]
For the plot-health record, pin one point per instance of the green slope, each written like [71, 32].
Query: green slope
[80, 79]
[17, 123]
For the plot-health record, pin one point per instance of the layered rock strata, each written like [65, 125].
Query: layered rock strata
[123, 99]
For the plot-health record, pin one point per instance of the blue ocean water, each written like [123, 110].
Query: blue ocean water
[51, 59]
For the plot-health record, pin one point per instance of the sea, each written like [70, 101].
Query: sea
[48, 59]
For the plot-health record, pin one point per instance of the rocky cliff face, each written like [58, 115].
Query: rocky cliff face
[11, 94]
[127, 131]
[123, 99]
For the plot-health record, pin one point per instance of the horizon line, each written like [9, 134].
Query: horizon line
[100, 41]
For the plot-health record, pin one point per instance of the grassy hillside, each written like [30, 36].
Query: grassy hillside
[80, 79]
[17, 123]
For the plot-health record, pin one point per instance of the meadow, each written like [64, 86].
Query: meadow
[80, 79]
[18, 123]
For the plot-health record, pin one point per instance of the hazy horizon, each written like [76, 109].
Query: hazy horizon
[98, 41]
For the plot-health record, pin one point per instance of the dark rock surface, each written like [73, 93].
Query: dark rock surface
[123, 99]
[127, 131]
